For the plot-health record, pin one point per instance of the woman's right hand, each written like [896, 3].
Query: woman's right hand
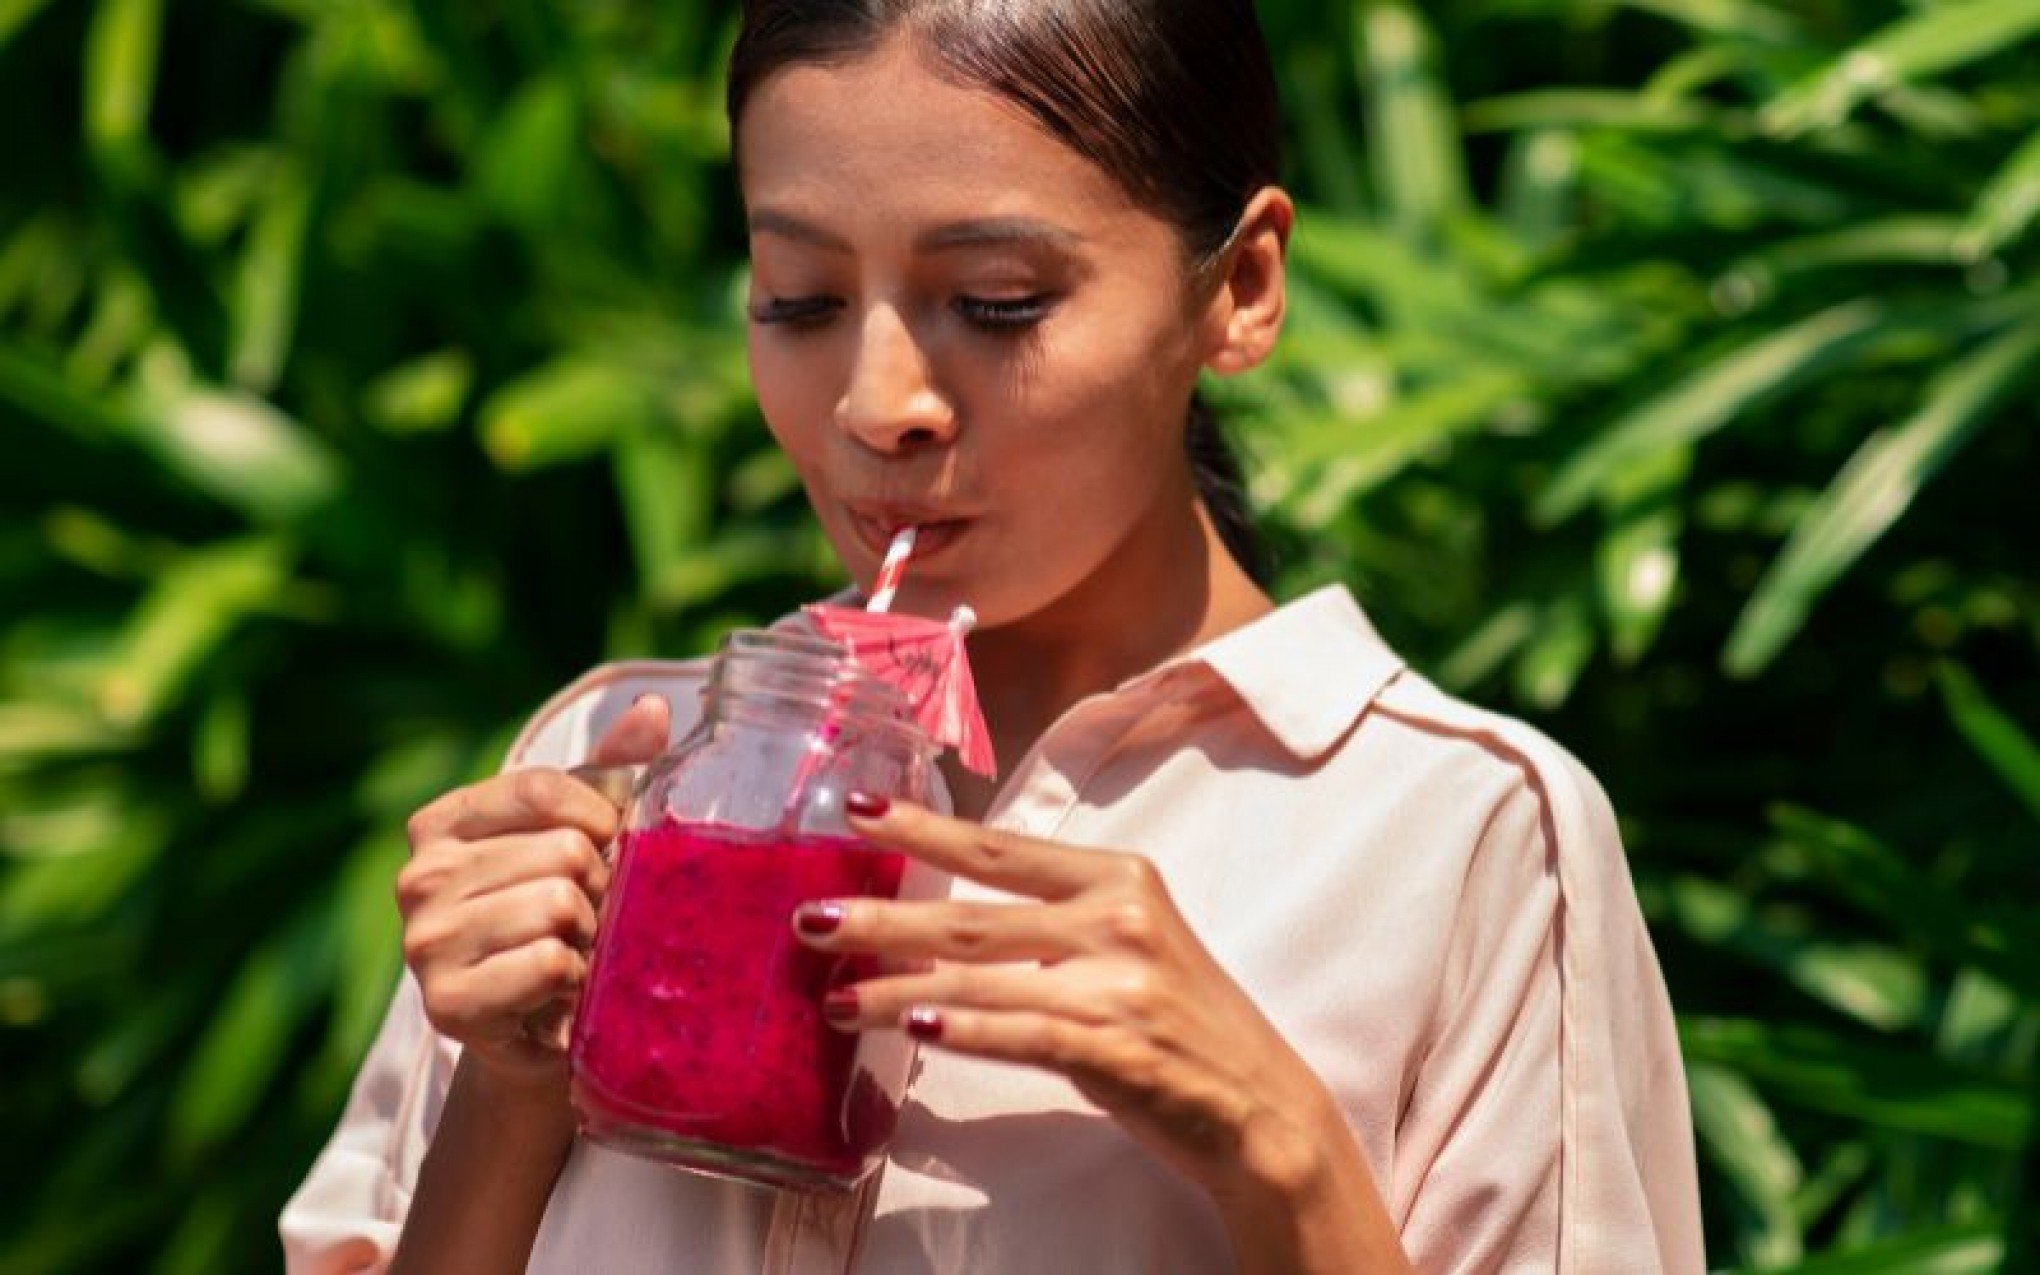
[500, 898]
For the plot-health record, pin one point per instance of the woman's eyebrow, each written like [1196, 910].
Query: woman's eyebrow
[997, 232]
[985, 232]
[770, 221]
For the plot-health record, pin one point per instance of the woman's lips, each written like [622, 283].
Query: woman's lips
[934, 534]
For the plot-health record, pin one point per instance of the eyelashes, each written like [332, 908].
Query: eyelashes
[797, 312]
[994, 316]
[1005, 315]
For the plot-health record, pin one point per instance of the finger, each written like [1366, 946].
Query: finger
[950, 931]
[489, 1000]
[520, 801]
[885, 1002]
[1075, 1048]
[640, 735]
[562, 853]
[516, 917]
[1003, 860]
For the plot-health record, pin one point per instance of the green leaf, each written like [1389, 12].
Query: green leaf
[1491, 644]
[237, 449]
[566, 411]
[265, 314]
[1583, 109]
[2005, 210]
[1354, 456]
[1929, 240]
[532, 166]
[1637, 563]
[1556, 654]
[240, 1054]
[32, 731]
[70, 892]
[1715, 396]
[109, 1067]
[424, 396]
[1927, 43]
[1739, 20]
[1878, 879]
[1742, 1139]
[203, 1236]
[120, 74]
[1892, 1088]
[16, 14]
[1874, 984]
[1873, 492]
[185, 618]
[122, 322]
[44, 393]
[1973, 1248]
[369, 935]
[667, 485]
[219, 748]
[1420, 172]
[2011, 752]
[1332, 153]
[1540, 187]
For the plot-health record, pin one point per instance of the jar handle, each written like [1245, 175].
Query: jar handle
[617, 784]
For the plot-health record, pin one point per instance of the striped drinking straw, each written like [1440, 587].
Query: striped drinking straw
[894, 572]
[823, 745]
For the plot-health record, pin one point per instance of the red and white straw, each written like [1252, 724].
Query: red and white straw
[894, 572]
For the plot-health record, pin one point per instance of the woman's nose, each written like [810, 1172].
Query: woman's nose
[891, 403]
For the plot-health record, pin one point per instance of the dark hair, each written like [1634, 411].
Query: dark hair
[1175, 99]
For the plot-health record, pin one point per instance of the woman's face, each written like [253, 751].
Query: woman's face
[961, 324]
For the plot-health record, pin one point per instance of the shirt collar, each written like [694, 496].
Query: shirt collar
[1307, 670]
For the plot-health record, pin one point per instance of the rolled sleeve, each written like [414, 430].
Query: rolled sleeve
[348, 1212]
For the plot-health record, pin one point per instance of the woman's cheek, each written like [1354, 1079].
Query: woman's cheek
[786, 398]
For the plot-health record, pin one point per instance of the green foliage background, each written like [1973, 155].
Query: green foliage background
[1661, 370]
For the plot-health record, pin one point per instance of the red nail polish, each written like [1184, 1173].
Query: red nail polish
[840, 1005]
[924, 1024]
[818, 919]
[866, 806]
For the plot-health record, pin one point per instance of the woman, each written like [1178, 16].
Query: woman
[1361, 984]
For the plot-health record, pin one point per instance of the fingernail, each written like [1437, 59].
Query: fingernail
[866, 806]
[924, 1024]
[818, 919]
[840, 1005]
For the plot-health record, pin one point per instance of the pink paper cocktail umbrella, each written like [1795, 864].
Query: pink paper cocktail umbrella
[927, 661]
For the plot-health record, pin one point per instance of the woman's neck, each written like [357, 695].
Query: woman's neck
[1168, 589]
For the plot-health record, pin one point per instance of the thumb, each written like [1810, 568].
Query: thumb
[640, 735]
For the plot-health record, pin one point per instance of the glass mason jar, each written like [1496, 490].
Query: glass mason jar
[699, 1039]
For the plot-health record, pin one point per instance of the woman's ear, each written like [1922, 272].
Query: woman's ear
[1251, 298]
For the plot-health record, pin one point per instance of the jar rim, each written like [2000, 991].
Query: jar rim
[818, 674]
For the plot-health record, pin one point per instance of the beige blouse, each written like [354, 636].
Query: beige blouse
[1429, 901]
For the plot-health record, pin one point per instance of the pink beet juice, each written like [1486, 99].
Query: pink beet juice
[700, 1037]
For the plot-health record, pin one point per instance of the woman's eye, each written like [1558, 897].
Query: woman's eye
[795, 312]
[1005, 314]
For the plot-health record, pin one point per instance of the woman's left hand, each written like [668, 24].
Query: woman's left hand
[1097, 976]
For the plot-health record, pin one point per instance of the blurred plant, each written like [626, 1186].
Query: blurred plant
[366, 369]
[1691, 411]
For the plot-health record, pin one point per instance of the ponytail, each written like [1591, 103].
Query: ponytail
[1222, 485]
